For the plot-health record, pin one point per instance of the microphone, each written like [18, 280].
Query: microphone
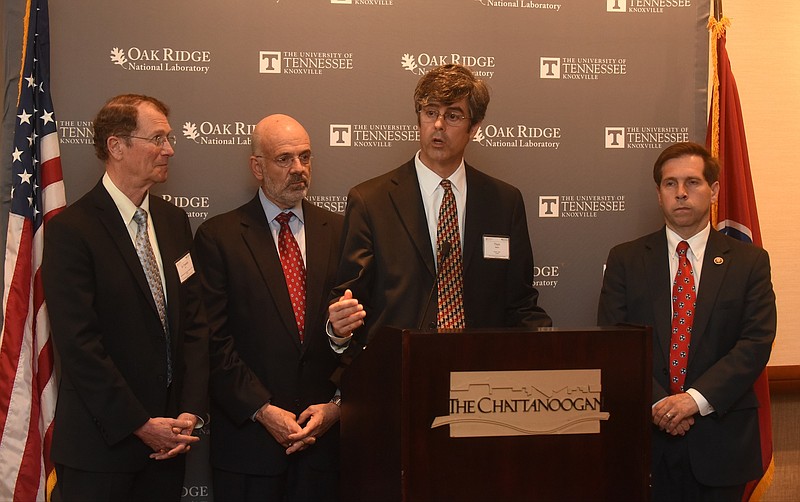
[444, 252]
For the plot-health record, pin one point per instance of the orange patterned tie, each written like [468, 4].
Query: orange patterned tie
[450, 282]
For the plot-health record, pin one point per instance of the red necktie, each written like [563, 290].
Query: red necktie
[293, 270]
[449, 281]
[684, 298]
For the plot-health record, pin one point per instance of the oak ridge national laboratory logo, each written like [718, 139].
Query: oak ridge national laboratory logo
[218, 133]
[518, 136]
[580, 206]
[372, 135]
[196, 206]
[165, 59]
[304, 62]
[648, 137]
[419, 64]
[581, 68]
[546, 276]
[645, 6]
[520, 4]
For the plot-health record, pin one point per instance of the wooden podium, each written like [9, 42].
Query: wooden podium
[394, 390]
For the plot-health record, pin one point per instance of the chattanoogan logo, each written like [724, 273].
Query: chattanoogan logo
[579, 206]
[373, 135]
[645, 6]
[652, 137]
[364, 2]
[303, 62]
[573, 68]
[211, 133]
[164, 59]
[520, 4]
[76, 132]
[518, 136]
[481, 66]
[333, 203]
[524, 403]
[196, 206]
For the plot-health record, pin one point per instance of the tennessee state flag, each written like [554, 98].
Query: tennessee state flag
[735, 213]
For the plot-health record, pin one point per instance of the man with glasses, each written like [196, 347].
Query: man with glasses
[435, 243]
[267, 268]
[127, 320]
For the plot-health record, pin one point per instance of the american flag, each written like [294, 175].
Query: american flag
[27, 380]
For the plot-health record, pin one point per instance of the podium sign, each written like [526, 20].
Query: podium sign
[499, 415]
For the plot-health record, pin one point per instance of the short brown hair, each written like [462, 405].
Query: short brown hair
[449, 83]
[119, 117]
[711, 167]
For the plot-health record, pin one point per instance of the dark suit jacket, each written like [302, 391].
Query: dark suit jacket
[732, 336]
[256, 355]
[108, 335]
[388, 262]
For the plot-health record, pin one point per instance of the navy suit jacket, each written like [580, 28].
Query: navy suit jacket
[388, 262]
[256, 354]
[732, 335]
[110, 344]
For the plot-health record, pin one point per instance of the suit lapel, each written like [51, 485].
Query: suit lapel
[656, 266]
[258, 238]
[408, 202]
[475, 217]
[109, 217]
[318, 232]
[167, 245]
[710, 283]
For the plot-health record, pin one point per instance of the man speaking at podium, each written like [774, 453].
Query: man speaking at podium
[436, 243]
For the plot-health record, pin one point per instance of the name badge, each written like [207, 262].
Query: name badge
[185, 267]
[496, 247]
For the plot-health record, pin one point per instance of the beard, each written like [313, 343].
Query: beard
[288, 193]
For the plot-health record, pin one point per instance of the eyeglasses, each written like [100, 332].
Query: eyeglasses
[286, 160]
[431, 114]
[157, 140]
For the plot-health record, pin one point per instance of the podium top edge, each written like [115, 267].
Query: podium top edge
[589, 329]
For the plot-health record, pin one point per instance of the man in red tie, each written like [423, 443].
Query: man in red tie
[266, 269]
[710, 301]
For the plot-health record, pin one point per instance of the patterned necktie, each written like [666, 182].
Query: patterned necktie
[148, 260]
[684, 298]
[293, 270]
[449, 281]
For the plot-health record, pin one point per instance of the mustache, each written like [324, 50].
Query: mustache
[297, 178]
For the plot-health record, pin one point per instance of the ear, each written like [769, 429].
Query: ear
[714, 191]
[255, 168]
[115, 147]
[473, 130]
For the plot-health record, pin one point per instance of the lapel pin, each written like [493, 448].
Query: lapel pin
[718, 260]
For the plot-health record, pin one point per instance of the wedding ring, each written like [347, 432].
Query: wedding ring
[669, 416]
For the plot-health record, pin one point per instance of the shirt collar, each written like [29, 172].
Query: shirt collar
[429, 180]
[124, 205]
[697, 242]
[271, 210]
